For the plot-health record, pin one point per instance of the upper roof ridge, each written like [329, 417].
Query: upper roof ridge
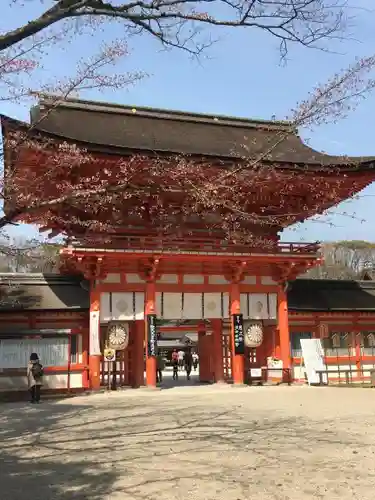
[165, 114]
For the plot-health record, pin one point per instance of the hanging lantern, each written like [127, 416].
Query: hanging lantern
[118, 335]
[253, 333]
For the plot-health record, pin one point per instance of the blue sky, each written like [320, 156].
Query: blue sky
[240, 75]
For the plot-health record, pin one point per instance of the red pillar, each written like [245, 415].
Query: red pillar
[283, 327]
[150, 360]
[85, 359]
[138, 356]
[204, 361]
[217, 350]
[95, 354]
[238, 363]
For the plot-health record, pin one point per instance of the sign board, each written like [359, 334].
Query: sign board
[151, 335]
[239, 341]
[94, 344]
[109, 354]
[256, 372]
[313, 356]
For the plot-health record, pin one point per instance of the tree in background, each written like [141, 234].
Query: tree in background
[29, 256]
[345, 260]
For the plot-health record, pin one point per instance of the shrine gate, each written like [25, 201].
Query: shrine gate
[210, 288]
[149, 248]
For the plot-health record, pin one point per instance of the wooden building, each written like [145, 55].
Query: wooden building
[47, 314]
[233, 294]
[50, 315]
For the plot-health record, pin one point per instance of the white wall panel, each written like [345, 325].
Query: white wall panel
[193, 306]
[226, 311]
[212, 305]
[139, 302]
[112, 278]
[244, 303]
[168, 278]
[249, 280]
[122, 306]
[158, 305]
[217, 279]
[105, 310]
[134, 278]
[50, 381]
[194, 279]
[172, 305]
[267, 280]
[258, 306]
[272, 303]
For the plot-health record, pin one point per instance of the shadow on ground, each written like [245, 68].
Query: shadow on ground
[118, 447]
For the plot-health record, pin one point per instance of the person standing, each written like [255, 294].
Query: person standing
[35, 377]
[175, 361]
[188, 363]
[181, 359]
[160, 365]
[195, 360]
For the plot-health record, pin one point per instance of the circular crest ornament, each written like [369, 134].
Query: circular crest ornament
[118, 335]
[253, 334]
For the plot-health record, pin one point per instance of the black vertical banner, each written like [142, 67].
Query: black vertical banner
[239, 341]
[151, 335]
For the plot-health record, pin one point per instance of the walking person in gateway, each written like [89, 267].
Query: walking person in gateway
[195, 360]
[175, 361]
[34, 377]
[181, 355]
[188, 363]
[160, 365]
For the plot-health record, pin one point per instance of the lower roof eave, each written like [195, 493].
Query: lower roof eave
[328, 310]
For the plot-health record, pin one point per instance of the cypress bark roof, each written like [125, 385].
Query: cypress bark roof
[42, 292]
[56, 292]
[155, 130]
[331, 295]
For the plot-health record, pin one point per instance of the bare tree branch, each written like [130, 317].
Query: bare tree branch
[172, 22]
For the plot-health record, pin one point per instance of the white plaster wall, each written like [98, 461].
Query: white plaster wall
[298, 373]
[50, 381]
[112, 278]
[216, 279]
[193, 279]
[366, 367]
[267, 280]
[342, 375]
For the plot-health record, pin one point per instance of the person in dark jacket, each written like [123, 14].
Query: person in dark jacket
[188, 363]
[34, 377]
[160, 365]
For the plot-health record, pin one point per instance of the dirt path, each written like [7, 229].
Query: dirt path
[196, 443]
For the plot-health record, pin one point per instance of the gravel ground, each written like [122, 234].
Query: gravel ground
[200, 443]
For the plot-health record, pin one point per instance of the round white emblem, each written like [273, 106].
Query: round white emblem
[118, 335]
[254, 335]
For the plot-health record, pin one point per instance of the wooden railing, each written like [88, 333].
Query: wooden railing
[198, 245]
